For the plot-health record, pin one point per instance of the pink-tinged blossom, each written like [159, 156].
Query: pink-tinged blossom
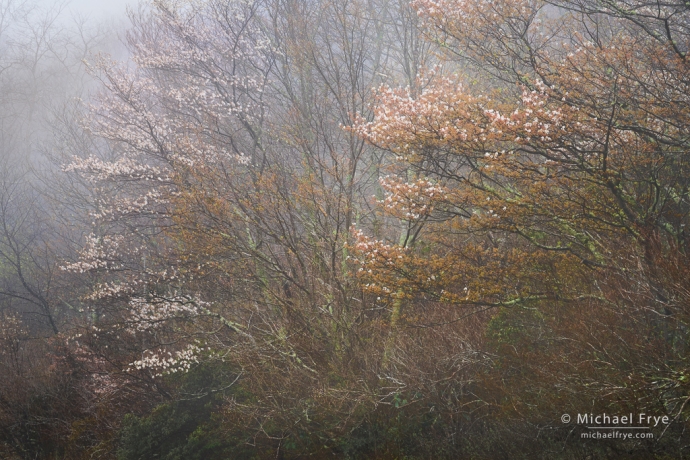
[371, 254]
[441, 111]
[410, 201]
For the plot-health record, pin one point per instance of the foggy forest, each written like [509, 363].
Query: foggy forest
[357, 229]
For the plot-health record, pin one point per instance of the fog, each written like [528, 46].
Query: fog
[44, 48]
[94, 10]
[353, 229]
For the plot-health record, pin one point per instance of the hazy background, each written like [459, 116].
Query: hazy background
[95, 9]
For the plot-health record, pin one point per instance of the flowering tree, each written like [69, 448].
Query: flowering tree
[564, 192]
[518, 211]
[225, 201]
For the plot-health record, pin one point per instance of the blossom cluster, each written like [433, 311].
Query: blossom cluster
[124, 168]
[181, 104]
[100, 253]
[534, 118]
[148, 313]
[451, 15]
[410, 201]
[168, 362]
[371, 255]
[11, 331]
[401, 120]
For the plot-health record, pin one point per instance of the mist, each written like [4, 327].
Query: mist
[362, 229]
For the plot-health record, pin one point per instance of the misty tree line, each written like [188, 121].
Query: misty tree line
[360, 229]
